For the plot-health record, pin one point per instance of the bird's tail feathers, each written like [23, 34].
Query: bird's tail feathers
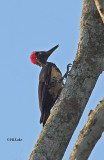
[44, 117]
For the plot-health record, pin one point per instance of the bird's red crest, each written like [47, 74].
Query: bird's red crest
[33, 57]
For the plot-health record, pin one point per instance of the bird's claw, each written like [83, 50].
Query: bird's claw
[68, 66]
[67, 72]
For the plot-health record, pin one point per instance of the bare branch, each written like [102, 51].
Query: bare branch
[86, 69]
[100, 7]
[90, 134]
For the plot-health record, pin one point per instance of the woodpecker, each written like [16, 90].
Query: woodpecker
[50, 82]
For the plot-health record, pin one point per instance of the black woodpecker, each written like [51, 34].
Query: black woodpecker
[50, 82]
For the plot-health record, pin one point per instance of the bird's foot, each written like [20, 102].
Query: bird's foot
[68, 66]
[67, 72]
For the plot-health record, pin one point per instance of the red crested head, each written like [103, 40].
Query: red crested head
[40, 57]
[33, 57]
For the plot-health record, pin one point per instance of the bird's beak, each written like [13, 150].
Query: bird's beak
[48, 53]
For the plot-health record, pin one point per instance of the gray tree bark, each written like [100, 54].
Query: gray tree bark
[90, 134]
[87, 66]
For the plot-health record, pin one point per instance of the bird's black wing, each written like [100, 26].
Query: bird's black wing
[46, 101]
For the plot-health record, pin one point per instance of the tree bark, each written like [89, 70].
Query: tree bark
[100, 7]
[87, 66]
[90, 134]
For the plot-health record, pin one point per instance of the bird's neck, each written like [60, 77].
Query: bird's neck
[44, 64]
[40, 64]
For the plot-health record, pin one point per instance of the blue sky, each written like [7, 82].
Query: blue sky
[26, 26]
